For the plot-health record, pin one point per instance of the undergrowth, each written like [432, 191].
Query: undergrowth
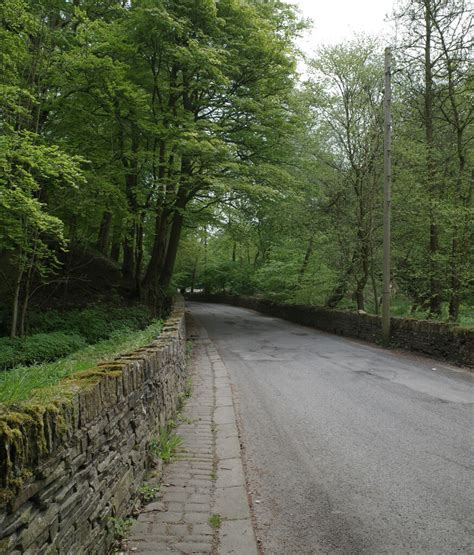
[25, 382]
[165, 446]
[120, 526]
[56, 334]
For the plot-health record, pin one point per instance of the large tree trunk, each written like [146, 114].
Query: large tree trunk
[151, 286]
[359, 297]
[151, 290]
[182, 198]
[103, 240]
[115, 250]
[173, 243]
[131, 174]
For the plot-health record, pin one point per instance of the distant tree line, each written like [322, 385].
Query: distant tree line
[320, 240]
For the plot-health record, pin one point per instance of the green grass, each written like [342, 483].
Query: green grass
[466, 320]
[401, 307]
[215, 521]
[93, 323]
[165, 446]
[25, 382]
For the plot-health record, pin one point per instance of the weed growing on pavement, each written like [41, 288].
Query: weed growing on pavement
[165, 447]
[148, 493]
[213, 475]
[189, 347]
[189, 388]
[121, 526]
[215, 521]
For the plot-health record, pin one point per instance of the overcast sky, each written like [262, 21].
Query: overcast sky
[337, 20]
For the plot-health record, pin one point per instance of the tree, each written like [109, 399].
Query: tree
[347, 102]
[30, 170]
[438, 81]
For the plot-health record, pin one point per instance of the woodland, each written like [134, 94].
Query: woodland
[154, 145]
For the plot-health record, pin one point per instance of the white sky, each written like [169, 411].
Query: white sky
[337, 20]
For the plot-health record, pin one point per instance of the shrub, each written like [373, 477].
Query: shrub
[38, 348]
[93, 323]
[57, 334]
[7, 353]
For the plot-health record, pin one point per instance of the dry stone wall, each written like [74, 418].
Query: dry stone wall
[435, 339]
[70, 463]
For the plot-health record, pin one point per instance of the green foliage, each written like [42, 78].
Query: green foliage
[92, 323]
[229, 276]
[165, 446]
[56, 334]
[27, 382]
[148, 493]
[277, 279]
[121, 527]
[215, 521]
[36, 348]
[135, 127]
[318, 239]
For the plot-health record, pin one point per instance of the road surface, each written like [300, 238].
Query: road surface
[349, 448]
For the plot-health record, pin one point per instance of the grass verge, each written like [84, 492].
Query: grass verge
[25, 382]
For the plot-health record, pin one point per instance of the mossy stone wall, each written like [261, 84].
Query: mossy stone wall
[70, 464]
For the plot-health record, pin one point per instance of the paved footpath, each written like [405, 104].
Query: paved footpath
[206, 478]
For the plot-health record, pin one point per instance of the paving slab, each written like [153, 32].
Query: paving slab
[237, 538]
[224, 415]
[227, 447]
[232, 503]
[205, 478]
[230, 473]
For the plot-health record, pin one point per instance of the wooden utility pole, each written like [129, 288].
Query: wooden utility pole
[387, 196]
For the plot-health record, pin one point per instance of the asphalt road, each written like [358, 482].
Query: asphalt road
[349, 448]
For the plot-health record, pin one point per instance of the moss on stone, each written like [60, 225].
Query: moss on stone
[28, 433]
[30, 430]
[93, 376]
